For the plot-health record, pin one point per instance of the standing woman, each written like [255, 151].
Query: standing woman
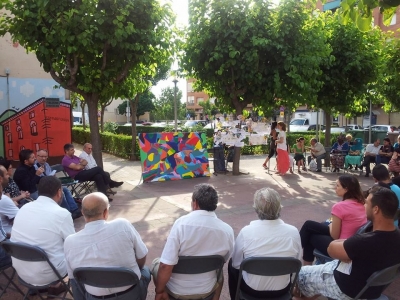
[282, 160]
[272, 145]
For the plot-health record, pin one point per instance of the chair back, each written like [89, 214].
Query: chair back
[105, 277]
[367, 227]
[199, 264]
[381, 278]
[25, 252]
[269, 266]
[57, 168]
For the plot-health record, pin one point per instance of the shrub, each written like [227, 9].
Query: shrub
[110, 127]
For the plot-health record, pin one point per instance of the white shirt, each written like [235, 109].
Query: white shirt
[8, 211]
[283, 145]
[199, 233]
[266, 238]
[90, 159]
[45, 224]
[372, 149]
[105, 244]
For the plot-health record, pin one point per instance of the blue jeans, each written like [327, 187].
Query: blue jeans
[68, 201]
[5, 259]
[382, 159]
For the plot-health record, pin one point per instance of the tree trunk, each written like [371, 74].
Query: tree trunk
[134, 104]
[102, 109]
[236, 157]
[92, 101]
[328, 122]
[82, 105]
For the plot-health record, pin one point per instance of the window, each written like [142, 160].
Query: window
[191, 100]
[190, 87]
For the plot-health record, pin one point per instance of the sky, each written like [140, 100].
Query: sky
[180, 7]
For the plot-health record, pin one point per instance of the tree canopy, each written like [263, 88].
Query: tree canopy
[90, 46]
[145, 104]
[164, 105]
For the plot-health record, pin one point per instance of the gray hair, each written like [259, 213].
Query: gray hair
[267, 204]
[206, 196]
[314, 140]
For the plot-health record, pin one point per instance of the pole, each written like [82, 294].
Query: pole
[175, 81]
[370, 121]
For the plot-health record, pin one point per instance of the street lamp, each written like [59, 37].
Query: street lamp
[175, 81]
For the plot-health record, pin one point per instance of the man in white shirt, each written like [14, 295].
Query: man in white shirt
[267, 237]
[317, 152]
[45, 224]
[106, 244]
[91, 163]
[199, 233]
[371, 151]
[8, 209]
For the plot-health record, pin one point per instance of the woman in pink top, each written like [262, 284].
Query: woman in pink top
[347, 217]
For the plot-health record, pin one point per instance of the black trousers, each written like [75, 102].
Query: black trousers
[314, 235]
[367, 161]
[97, 175]
[233, 277]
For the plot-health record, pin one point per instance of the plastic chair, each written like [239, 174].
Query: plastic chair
[9, 280]
[322, 258]
[199, 264]
[30, 253]
[106, 277]
[78, 188]
[269, 266]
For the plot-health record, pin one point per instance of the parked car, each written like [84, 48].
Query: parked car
[193, 123]
[337, 130]
[388, 128]
[314, 127]
[353, 127]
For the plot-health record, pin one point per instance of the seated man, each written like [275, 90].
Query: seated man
[68, 201]
[371, 151]
[106, 244]
[87, 155]
[45, 224]
[200, 233]
[385, 152]
[382, 177]
[26, 176]
[267, 237]
[8, 209]
[317, 152]
[383, 244]
[75, 168]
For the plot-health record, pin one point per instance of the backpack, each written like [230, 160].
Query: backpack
[313, 165]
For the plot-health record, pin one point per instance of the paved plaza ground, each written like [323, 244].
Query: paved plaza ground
[153, 207]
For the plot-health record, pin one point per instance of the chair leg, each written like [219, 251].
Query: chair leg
[10, 281]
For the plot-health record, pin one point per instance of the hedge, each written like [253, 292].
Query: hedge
[120, 145]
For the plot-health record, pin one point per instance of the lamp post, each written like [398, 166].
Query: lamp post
[175, 81]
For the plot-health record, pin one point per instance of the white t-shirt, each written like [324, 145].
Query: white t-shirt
[90, 159]
[45, 224]
[105, 244]
[266, 238]
[372, 149]
[199, 233]
[8, 211]
[283, 145]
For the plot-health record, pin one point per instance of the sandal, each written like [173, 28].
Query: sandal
[299, 171]
[305, 169]
[265, 166]
[291, 171]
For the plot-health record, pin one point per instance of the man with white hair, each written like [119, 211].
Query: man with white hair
[267, 237]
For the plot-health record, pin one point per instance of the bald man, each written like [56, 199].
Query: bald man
[106, 244]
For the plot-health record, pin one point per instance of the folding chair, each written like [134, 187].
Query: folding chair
[30, 253]
[198, 265]
[9, 280]
[269, 266]
[106, 277]
[322, 258]
[78, 188]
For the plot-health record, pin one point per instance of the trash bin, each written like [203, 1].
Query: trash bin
[393, 137]
[358, 134]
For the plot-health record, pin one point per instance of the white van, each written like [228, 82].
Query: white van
[78, 118]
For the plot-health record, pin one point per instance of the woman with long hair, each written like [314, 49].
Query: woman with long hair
[272, 146]
[282, 160]
[347, 217]
[298, 150]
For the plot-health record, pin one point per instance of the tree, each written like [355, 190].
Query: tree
[360, 12]
[350, 71]
[245, 51]
[208, 108]
[75, 100]
[164, 105]
[103, 104]
[145, 104]
[89, 47]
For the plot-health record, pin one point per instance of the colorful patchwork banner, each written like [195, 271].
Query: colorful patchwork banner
[173, 155]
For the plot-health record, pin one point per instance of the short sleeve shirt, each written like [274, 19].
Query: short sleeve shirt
[8, 211]
[352, 214]
[66, 161]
